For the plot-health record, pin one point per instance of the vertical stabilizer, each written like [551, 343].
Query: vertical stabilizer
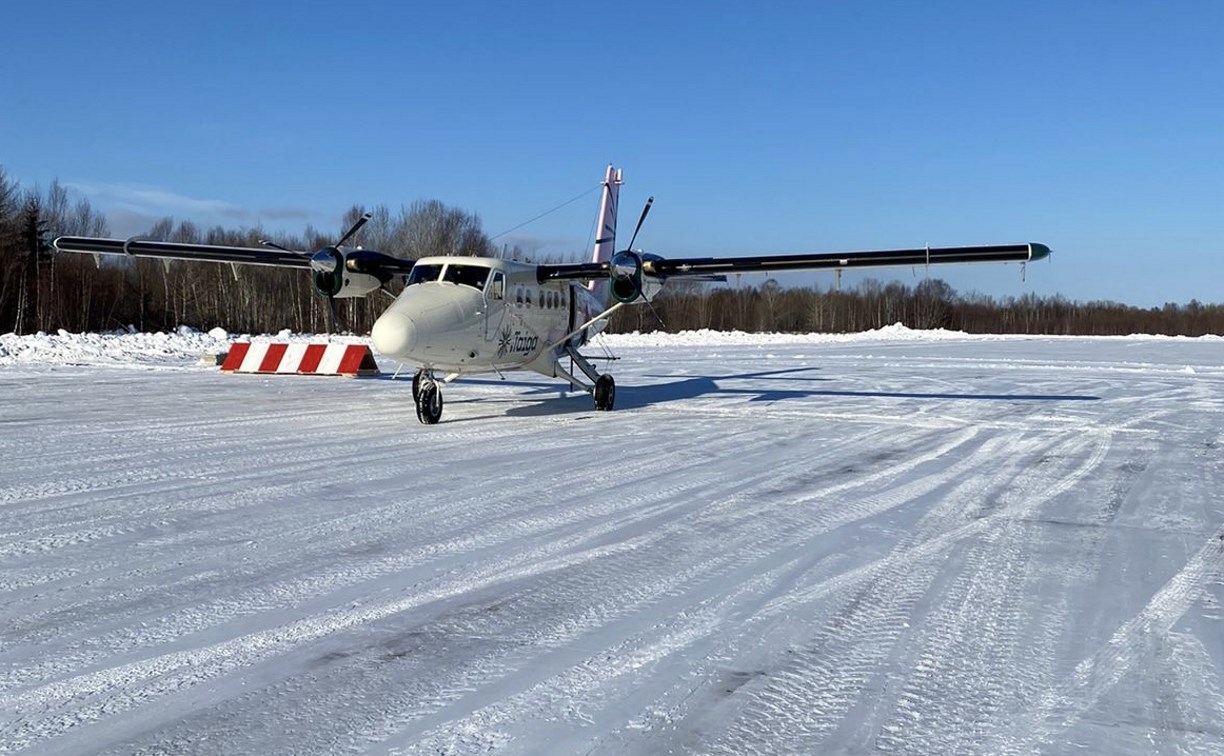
[605, 238]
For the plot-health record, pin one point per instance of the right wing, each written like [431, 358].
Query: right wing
[327, 259]
[180, 251]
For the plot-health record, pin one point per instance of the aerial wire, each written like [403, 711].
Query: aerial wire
[547, 212]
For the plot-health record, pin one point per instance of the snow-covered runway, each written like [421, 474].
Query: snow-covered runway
[895, 542]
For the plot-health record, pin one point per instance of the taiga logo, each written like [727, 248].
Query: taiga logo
[516, 342]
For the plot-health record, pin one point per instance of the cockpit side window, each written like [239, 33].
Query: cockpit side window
[466, 275]
[497, 286]
[423, 273]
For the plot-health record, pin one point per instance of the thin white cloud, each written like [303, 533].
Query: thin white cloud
[156, 201]
[132, 202]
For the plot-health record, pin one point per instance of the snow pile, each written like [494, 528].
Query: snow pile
[1160, 337]
[127, 347]
[186, 345]
[706, 337]
[115, 348]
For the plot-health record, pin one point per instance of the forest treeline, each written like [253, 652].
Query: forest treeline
[44, 291]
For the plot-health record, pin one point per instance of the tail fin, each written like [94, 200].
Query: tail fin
[605, 239]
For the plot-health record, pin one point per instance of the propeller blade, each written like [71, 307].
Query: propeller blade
[645, 210]
[356, 227]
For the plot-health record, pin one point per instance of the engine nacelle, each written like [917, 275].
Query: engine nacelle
[628, 283]
[332, 278]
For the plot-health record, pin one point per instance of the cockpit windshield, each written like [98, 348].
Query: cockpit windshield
[466, 275]
[423, 273]
[456, 273]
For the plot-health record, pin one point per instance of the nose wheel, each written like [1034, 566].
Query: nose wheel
[427, 395]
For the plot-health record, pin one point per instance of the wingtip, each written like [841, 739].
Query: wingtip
[1038, 251]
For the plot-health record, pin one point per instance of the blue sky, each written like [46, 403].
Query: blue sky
[1094, 127]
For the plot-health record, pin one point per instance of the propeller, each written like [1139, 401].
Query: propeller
[365, 218]
[630, 264]
[641, 220]
[330, 264]
[328, 267]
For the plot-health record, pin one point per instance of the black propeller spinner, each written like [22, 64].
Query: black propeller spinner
[626, 266]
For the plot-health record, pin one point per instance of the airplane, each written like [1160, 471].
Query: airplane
[459, 316]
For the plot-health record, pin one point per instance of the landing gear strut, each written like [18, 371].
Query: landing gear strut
[602, 388]
[427, 395]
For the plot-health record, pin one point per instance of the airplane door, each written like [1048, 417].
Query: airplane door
[495, 304]
[572, 298]
[577, 315]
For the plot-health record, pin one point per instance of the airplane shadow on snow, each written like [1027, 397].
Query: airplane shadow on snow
[552, 400]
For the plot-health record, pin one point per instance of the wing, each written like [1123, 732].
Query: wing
[180, 251]
[355, 260]
[661, 267]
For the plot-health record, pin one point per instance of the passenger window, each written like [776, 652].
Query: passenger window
[529, 297]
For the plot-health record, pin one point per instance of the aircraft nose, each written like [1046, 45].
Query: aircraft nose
[394, 334]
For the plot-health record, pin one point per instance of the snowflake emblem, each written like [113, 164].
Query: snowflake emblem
[503, 343]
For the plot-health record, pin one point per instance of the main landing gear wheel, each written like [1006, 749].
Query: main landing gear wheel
[605, 393]
[427, 395]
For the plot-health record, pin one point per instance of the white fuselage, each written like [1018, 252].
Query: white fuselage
[476, 315]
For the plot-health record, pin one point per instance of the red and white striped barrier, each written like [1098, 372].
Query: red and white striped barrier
[300, 359]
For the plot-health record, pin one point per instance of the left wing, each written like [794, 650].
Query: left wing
[664, 268]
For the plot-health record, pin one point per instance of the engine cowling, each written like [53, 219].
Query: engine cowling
[332, 277]
[628, 281]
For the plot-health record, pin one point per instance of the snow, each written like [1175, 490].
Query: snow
[899, 541]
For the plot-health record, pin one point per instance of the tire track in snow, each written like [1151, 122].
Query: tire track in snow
[800, 462]
[119, 688]
[968, 669]
[865, 635]
[604, 525]
[305, 544]
[748, 557]
[633, 589]
[1058, 709]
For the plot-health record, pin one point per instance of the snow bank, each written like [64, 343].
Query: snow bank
[186, 345]
[706, 337]
[893, 333]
